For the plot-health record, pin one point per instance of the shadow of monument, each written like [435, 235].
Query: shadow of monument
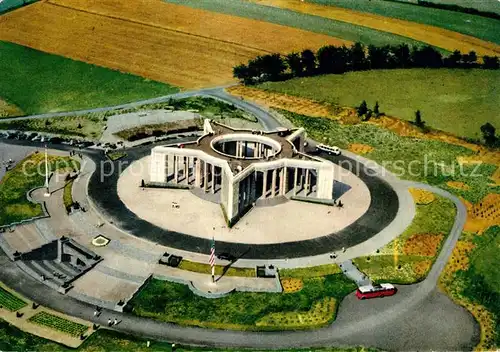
[339, 189]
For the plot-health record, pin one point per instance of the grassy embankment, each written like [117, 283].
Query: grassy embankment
[454, 101]
[408, 258]
[37, 82]
[472, 279]
[91, 125]
[473, 25]
[314, 305]
[28, 174]
[474, 286]
[454, 170]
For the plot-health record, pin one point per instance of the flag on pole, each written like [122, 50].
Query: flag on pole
[212, 258]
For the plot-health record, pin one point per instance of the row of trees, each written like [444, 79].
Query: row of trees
[333, 59]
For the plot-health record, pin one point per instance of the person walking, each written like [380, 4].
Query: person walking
[109, 322]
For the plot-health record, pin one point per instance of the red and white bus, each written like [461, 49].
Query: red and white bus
[372, 291]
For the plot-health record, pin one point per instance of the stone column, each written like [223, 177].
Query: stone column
[252, 187]
[306, 182]
[280, 189]
[285, 181]
[264, 184]
[295, 182]
[176, 169]
[59, 250]
[197, 175]
[213, 178]
[273, 183]
[166, 167]
[205, 176]
[186, 169]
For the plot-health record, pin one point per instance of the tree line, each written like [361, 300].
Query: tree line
[341, 59]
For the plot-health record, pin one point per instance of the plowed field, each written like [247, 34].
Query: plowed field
[435, 36]
[186, 47]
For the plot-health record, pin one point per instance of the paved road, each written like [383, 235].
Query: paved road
[417, 318]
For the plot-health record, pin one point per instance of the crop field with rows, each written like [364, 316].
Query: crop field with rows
[153, 39]
[435, 36]
[58, 323]
[480, 27]
[9, 301]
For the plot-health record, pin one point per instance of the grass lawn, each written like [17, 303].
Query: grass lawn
[408, 258]
[298, 20]
[67, 193]
[37, 82]
[313, 271]
[28, 174]
[13, 339]
[455, 101]
[113, 156]
[476, 26]
[219, 269]
[174, 302]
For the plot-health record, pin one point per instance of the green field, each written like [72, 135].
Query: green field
[435, 219]
[7, 5]
[176, 303]
[13, 339]
[455, 101]
[10, 301]
[37, 82]
[428, 161]
[299, 20]
[57, 323]
[476, 26]
[28, 174]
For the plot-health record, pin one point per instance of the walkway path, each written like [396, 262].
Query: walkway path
[418, 317]
[353, 273]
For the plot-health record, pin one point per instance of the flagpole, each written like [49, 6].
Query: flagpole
[212, 259]
[47, 193]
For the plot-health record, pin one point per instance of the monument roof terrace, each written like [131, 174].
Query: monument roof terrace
[270, 139]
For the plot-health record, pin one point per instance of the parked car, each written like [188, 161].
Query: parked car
[376, 290]
[226, 256]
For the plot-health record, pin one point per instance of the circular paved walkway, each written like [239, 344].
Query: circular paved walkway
[382, 211]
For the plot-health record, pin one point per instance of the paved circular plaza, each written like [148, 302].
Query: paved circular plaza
[295, 229]
[287, 222]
